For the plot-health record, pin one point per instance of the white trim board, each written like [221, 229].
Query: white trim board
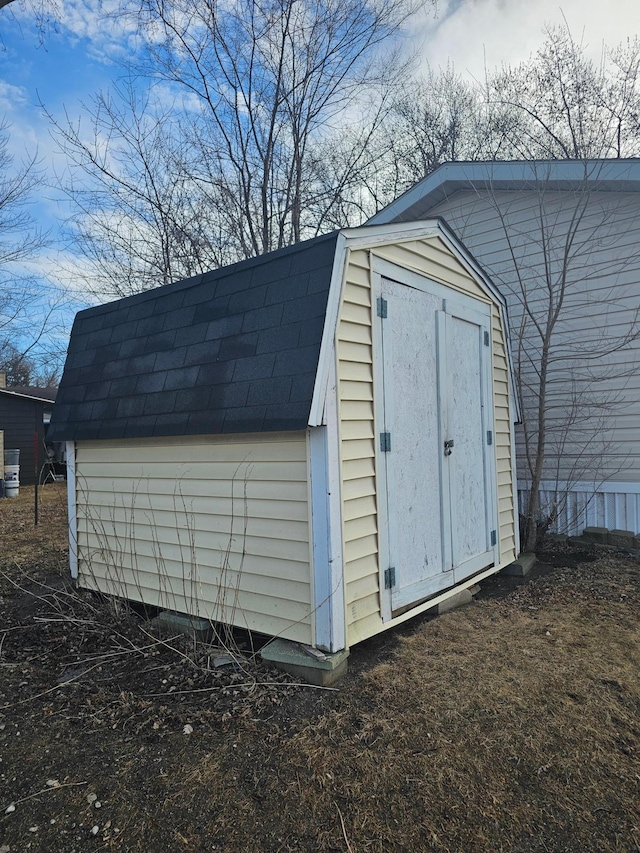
[331, 621]
[72, 508]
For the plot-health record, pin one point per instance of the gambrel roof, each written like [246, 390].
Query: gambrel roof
[233, 350]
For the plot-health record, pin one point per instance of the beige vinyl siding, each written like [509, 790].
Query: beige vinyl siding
[430, 257]
[357, 447]
[217, 527]
[503, 420]
[605, 268]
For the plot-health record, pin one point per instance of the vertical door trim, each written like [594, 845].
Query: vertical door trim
[385, 547]
[443, 418]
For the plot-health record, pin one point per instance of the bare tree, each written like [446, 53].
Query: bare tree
[561, 253]
[29, 303]
[566, 106]
[251, 136]
[558, 104]
[553, 255]
[43, 13]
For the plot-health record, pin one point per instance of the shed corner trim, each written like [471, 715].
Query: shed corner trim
[317, 415]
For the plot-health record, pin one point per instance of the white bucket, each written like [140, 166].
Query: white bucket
[12, 456]
[12, 489]
[11, 481]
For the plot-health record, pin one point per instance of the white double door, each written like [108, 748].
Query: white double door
[436, 459]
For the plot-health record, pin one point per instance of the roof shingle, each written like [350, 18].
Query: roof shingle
[233, 350]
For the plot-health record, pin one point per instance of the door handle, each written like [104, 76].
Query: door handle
[448, 447]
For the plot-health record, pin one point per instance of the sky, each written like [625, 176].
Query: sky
[75, 57]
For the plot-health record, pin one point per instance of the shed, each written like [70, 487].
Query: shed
[315, 444]
[24, 416]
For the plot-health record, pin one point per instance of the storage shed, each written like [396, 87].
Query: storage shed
[315, 444]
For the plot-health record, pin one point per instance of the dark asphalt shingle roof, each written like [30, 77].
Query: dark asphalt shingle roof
[233, 350]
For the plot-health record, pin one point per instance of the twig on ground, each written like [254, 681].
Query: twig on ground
[47, 790]
[344, 831]
[172, 648]
[240, 684]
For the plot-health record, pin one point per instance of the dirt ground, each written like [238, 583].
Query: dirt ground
[510, 725]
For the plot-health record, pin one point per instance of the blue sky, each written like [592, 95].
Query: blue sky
[75, 59]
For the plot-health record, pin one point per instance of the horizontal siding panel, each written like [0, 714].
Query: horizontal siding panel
[184, 489]
[255, 621]
[357, 548]
[507, 549]
[360, 507]
[354, 332]
[182, 451]
[356, 390]
[504, 479]
[358, 469]
[363, 567]
[365, 627]
[353, 371]
[168, 522]
[360, 527]
[198, 470]
[359, 449]
[211, 547]
[363, 607]
[350, 351]
[356, 295]
[362, 588]
[188, 507]
[356, 431]
[363, 486]
[358, 258]
[203, 584]
[359, 314]
[357, 410]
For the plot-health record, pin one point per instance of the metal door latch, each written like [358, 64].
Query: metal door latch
[448, 447]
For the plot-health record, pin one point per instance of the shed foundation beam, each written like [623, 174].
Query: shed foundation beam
[169, 622]
[460, 599]
[520, 567]
[309, 664]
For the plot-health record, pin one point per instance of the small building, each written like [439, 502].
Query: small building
[24, 417]
[560, 235]
[315, 444]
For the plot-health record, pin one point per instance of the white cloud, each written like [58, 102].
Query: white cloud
[11, 97]
[475, 33]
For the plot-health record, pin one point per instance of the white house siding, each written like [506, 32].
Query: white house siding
[215, 527]
[605, 265]
[432, 258]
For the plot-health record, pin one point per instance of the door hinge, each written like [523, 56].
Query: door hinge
[385, 442]
[486, 339]
[494, 537]
[489, 436]
[390, 577]
[382, 307]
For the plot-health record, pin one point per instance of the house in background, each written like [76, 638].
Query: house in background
[535, 227]
[315, 444]
[24, 417]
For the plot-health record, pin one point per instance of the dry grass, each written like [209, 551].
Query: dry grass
[512, 725]
[23, 541]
